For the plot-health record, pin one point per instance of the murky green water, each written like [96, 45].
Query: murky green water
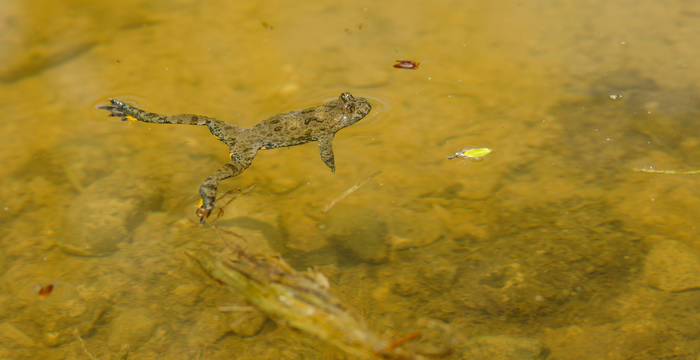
[552, 246]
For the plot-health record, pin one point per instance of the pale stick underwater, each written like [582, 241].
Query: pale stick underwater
[300, 300]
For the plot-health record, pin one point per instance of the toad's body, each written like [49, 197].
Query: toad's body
[318, 123]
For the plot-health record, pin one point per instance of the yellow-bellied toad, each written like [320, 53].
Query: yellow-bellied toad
[318, 123]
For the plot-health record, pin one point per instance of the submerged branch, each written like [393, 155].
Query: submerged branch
[300, 300]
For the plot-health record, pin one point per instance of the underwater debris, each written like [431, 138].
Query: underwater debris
[300, 300]
[668, 172]
[349, 191]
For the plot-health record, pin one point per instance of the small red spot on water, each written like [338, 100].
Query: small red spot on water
[406, 64]
[45, 291]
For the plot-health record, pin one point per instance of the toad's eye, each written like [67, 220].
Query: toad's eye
[349, 108]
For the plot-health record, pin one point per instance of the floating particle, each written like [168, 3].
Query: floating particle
[475, 153]
[406, 64]
[45, 291]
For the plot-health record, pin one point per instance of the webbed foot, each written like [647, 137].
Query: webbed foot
[116, 109]
[203, 213]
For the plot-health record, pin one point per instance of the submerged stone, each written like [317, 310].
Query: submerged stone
[504, 347]
[672, 266]
[359, 233]
[132, 327]
[104, 215]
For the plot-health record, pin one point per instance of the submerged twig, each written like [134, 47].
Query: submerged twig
[669, 172]
[402, 340]
[82, 344]
[349, 191]
[235, 308]
[300, 300]
[235, 193]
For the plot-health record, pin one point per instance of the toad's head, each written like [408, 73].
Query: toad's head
[354, 109]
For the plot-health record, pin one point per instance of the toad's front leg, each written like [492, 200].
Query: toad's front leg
[208, 188]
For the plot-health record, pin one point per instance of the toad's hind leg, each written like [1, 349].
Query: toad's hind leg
[122, 110]
[227, 133]
[208, 188]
